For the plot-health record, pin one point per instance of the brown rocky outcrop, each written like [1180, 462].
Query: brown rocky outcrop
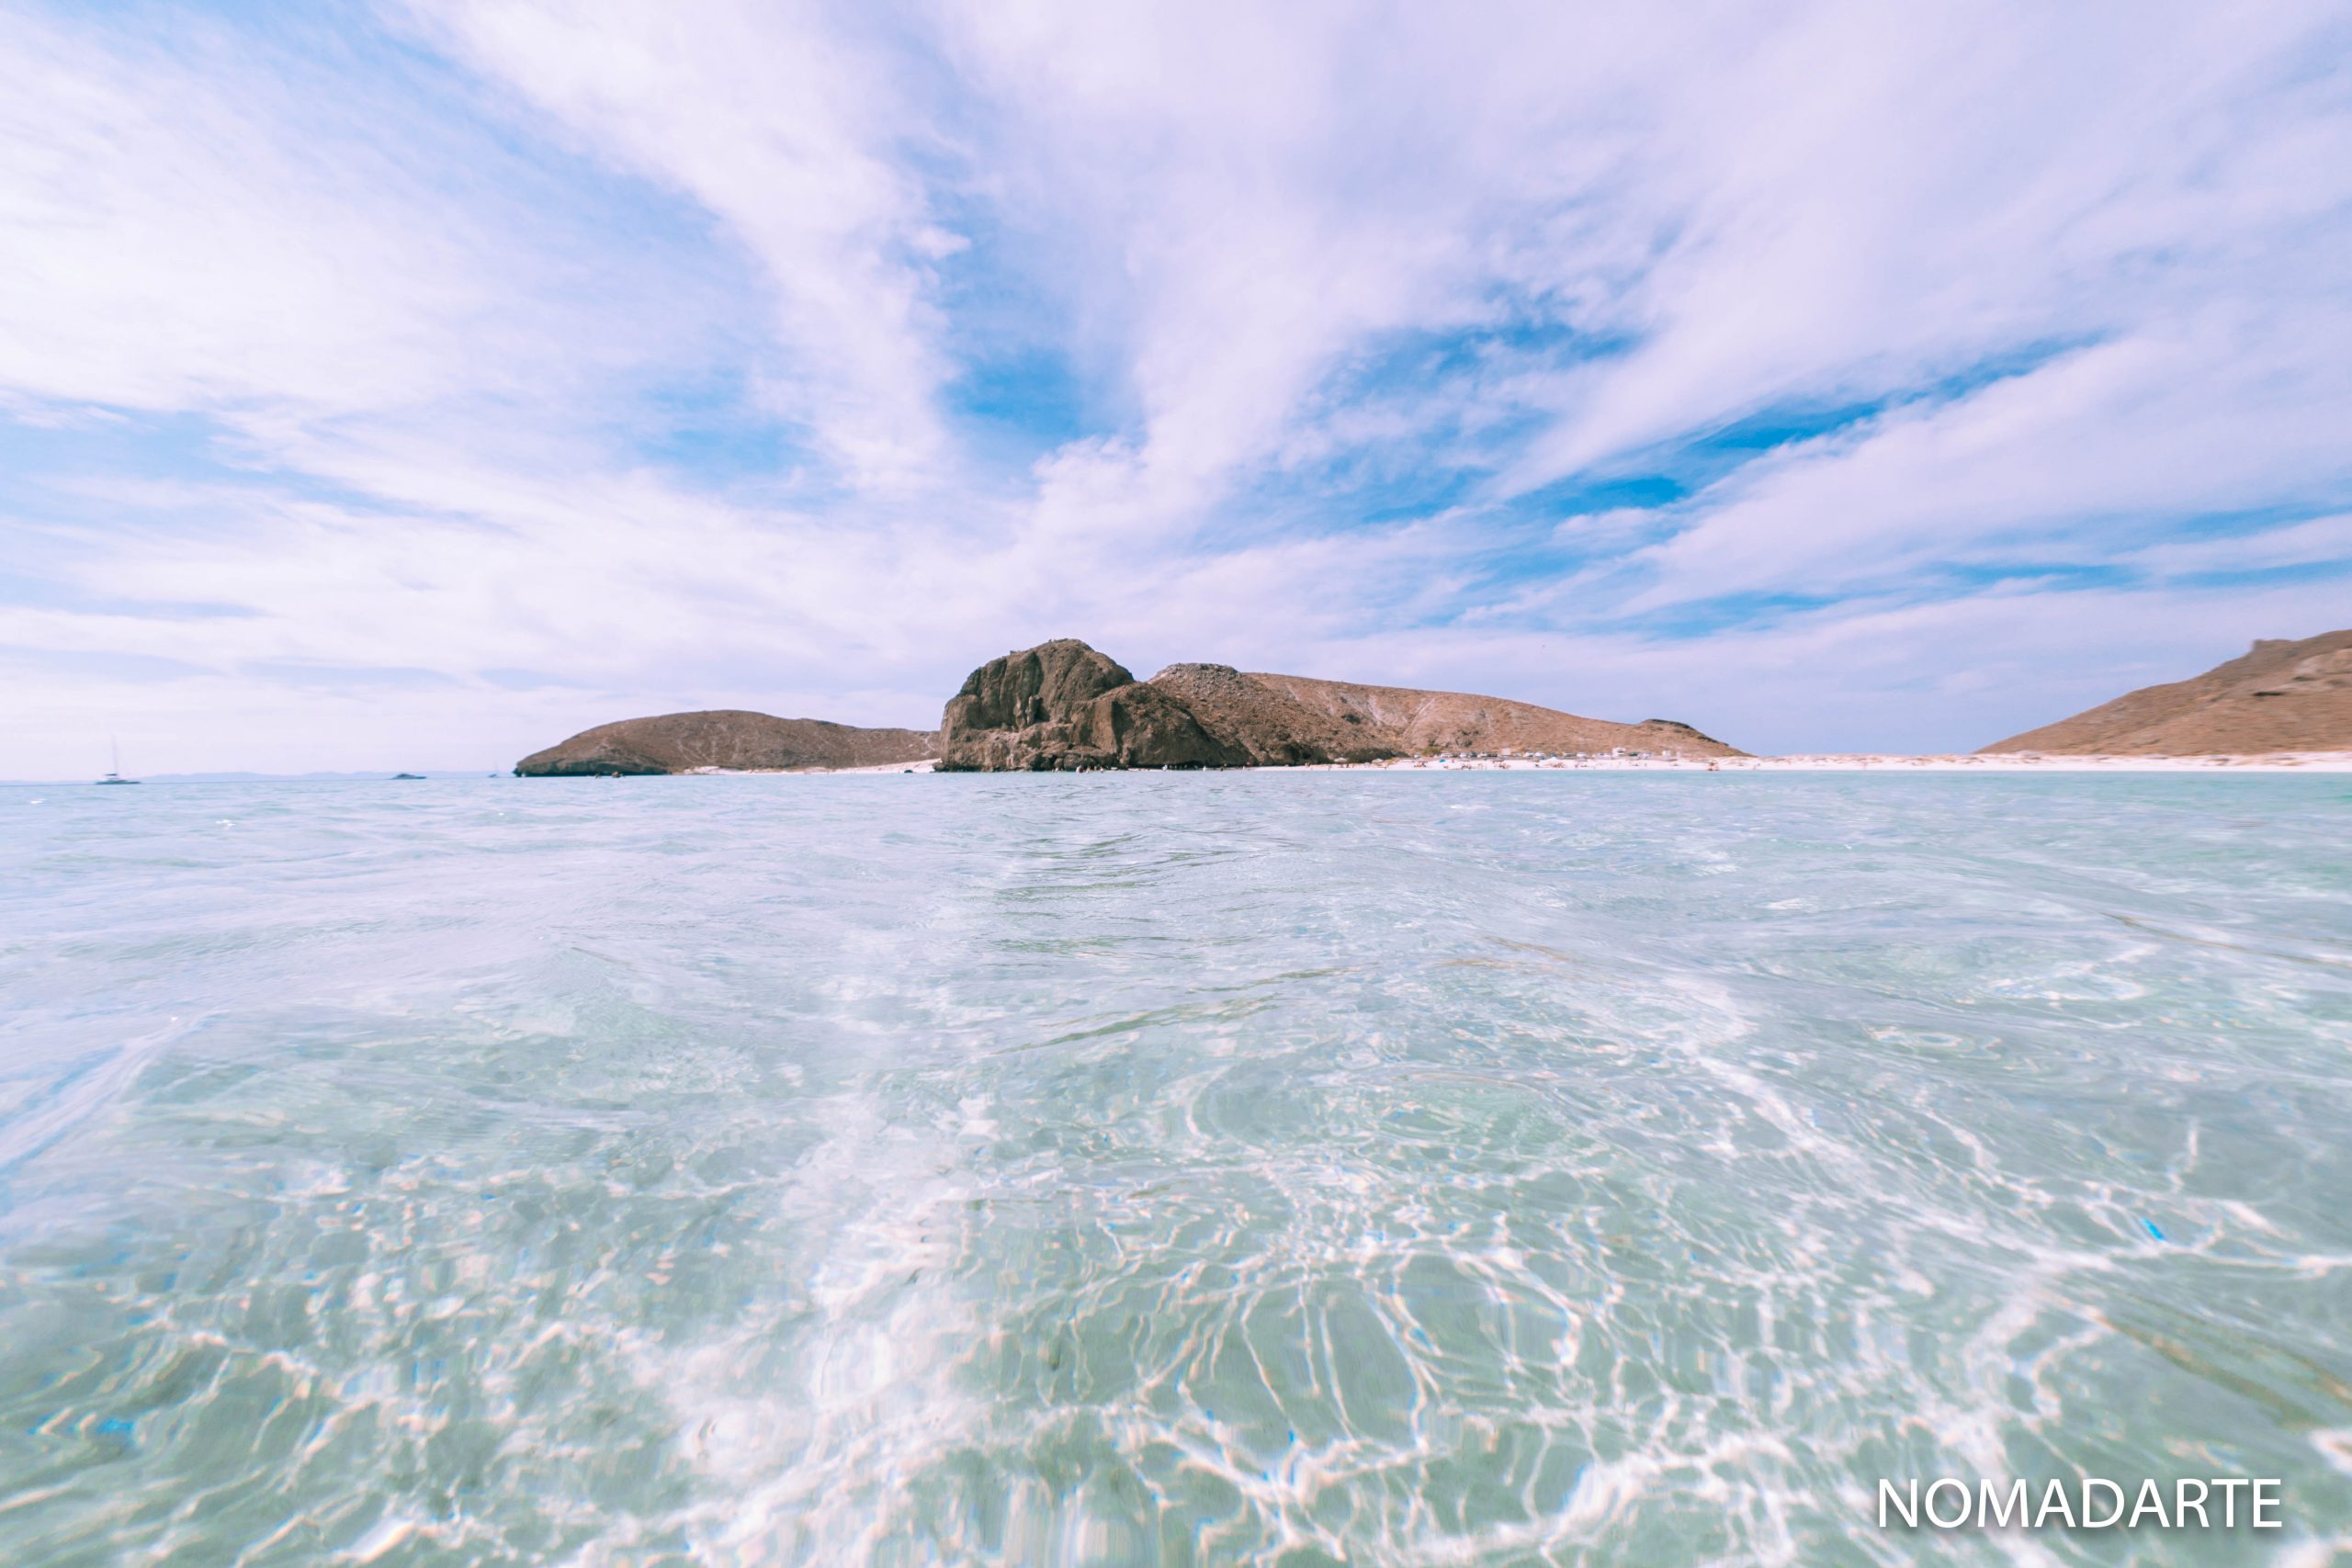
[1063, 707]
[726, 737]
[2276, 696]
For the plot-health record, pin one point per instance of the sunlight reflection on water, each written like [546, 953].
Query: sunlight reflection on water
[1472, 1168]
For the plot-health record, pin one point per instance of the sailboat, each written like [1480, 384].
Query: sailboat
[114, 774]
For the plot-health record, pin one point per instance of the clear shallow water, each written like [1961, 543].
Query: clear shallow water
[1390, 1168]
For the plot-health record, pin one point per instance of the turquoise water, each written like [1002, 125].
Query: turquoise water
[1166, 1168]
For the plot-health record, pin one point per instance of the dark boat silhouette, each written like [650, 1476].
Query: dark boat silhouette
[408, 775]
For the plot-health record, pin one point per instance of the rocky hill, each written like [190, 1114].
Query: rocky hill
[1416, 722]
[726, 737]
[2278, 696]
[1274, 727]
[1063, 706]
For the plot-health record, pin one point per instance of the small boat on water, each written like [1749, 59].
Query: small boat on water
[408, 775]
[114, 774]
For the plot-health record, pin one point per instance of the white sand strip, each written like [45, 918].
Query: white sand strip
[2271, 763]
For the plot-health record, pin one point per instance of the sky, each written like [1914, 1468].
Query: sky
[412, 384]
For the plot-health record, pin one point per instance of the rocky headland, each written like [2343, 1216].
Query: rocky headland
[728, 739]
[2276, 696]
[1063, 706]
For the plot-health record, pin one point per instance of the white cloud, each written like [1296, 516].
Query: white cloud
[201, 222]
[171, 245]
[427, 309]
[2087, 454]
[1239, 198]
[794, 136]
[2321, 541]
[1881, 197]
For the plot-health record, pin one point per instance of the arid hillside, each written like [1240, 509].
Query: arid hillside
[2278, 696]
[726, 737]
[1416, 722]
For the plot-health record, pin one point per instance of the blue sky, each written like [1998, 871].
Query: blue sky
[414, 385]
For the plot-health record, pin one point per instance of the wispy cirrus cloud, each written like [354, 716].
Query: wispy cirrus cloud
[460, 374]
[798, 136]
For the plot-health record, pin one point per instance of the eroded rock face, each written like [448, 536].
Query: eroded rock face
[1061, 707]
[1050, 683]
[1143, 726]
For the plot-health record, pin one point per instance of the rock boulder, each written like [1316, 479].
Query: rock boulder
[1063, 707]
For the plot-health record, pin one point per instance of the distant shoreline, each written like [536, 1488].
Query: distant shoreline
[1822, 763]
[1885, 762]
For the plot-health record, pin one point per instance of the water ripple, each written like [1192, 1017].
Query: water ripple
[1395, 1168]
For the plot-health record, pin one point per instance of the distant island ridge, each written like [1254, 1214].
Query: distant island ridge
[1064, 706]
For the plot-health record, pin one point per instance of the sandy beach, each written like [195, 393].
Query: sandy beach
[2272, 762]
[1821, 762]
